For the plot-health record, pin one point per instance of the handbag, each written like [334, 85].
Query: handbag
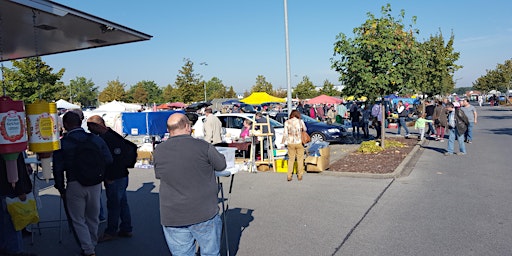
[22, 213]
[305, 137]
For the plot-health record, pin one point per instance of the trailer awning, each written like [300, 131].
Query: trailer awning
[38, 27]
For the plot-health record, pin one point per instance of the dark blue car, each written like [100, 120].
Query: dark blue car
[318, 131]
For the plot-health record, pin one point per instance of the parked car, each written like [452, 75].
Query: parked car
[232, 124]
[318, 131]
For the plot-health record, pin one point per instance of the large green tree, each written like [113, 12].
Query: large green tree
[499, 78]
[438, 65]
[144, 92]
[189, 87]
[305, 89]
[328, 89]
[82, 92]
[377, 60]
[169, 94]
[262, 85]
[114, 91]
[31, 79]
[230, 93]
[215, 89]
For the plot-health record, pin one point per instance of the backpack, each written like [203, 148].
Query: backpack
[129, 153]
[88, 164]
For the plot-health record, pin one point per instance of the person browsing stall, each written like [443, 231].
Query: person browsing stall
[293, 139]
[116, 180]
[212, 127]
[188, 190]
[82, 201]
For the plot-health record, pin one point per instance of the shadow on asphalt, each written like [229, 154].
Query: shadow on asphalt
[147, 239]
[497, 117]
[440, 150]
[238, 220]
[502, 131]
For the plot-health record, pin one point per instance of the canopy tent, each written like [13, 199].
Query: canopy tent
[163, 106]
[324, 99]
[146, 123]
[351, 98]
[261, 97]
[391, 96]
[231, 102]
[65, 104]
[118, 106]
[177, 105]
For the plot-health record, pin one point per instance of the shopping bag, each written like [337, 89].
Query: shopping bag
[22, 213]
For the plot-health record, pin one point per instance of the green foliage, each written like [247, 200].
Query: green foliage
[328, 89]
[144, 92]
[305, 89]
[113, 91]
[499, 78]
[31, 79]
[439, 65]
[230, 93]
[215, 89]
[169, 94]
[188, 84]
[373, 147]
[384, 57]
[82, 92]
[262, 85]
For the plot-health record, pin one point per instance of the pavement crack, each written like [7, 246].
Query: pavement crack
[349, 234]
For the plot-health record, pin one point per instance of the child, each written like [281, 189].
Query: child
[420, 124]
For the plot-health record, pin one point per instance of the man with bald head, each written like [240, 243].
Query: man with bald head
[188, 190]
[116, 180]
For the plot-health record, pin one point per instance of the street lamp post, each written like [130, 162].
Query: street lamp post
[204, 82]
[289, 86]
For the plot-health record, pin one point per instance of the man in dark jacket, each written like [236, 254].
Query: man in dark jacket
[82, 202]
[116, 180]
[11, 242]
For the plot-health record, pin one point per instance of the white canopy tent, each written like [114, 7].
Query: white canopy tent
[66, 104]
[118, 106]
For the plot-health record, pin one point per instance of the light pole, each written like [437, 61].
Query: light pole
[289, 87]
[204, 82]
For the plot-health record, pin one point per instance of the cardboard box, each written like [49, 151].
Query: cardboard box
[141, 155]
[318, 163]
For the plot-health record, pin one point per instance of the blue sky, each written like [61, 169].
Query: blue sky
[240, 40]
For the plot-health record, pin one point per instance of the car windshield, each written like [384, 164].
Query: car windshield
[307, 119]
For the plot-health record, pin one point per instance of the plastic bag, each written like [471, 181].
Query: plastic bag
[22, 213]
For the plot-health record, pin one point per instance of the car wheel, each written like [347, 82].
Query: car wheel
[316, 136]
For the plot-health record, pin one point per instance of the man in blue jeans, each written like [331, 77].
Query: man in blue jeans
[116, 181]
[188, 190]
[402, 114]
[457, 126]
[470, 112]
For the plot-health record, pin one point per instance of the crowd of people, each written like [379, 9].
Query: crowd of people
[186, 167]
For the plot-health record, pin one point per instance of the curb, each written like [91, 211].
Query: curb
[395, 174]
